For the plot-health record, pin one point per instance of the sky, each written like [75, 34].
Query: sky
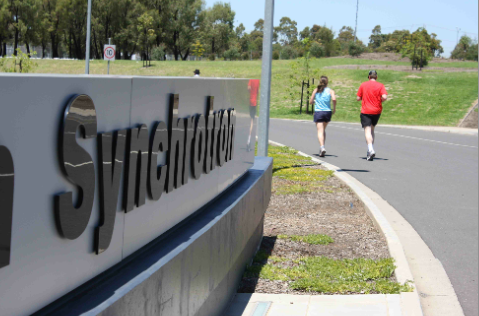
[442, 17]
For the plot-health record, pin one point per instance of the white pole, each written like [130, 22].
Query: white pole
[263, 134]
[356, 29]
[88, 27]
[108, 71]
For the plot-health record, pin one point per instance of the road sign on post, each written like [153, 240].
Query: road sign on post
[109, 53]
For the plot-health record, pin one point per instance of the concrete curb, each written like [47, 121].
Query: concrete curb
[410, 302]
[444, 129]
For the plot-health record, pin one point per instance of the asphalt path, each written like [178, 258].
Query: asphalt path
[431, 178]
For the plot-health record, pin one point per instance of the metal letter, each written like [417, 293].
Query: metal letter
[7, 178]
[176, 128]
[136, 177]
[198, 157]
[216, 131]
[157, 175]
[112, 158]
[190, 133]
[77, 166]
[222, 137]
[231, 134]
[209, 133]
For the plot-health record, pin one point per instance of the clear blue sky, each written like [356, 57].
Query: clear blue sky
[439, 16]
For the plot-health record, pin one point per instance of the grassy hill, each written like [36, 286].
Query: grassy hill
[430, 97]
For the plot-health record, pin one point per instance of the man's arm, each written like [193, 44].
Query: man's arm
[333, 97]
[359, 96]
[384, 97]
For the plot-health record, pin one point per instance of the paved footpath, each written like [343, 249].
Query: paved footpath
[431, 178]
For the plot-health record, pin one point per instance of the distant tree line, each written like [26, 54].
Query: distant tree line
[182, 28]
[466, 49]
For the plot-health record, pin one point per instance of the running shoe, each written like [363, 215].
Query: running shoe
[371, 155]
[322, 152]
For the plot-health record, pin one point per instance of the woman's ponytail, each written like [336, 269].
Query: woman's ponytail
[323, 83]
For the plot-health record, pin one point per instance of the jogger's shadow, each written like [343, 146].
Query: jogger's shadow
[376, 158]
[317, 155]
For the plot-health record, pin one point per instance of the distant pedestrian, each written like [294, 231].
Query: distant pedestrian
[321, 99]
[253, 88]
[197, 73]
[372, 94]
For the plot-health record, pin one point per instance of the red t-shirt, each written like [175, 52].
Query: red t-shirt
[371, 92]
[253, 88]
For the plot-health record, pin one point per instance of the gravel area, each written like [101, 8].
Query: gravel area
[333, 210]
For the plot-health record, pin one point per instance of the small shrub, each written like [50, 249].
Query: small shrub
[256, 56]
[212, 57]
[275, 55]
[245, 56]
[232, 54]
[355, 49]
[316, 50]
[288, 52]
[158, 53]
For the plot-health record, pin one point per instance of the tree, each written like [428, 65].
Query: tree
[306, 33]
[376, 38]
[464, 49]
[288, 31]
[181, 19]
[217, 27]
[197, 49]
[355, 49]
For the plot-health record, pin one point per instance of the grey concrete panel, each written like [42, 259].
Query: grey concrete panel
[44, 266]
[171, 276]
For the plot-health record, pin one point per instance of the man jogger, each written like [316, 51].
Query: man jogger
[372, 94]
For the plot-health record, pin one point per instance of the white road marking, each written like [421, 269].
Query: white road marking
[409, 137]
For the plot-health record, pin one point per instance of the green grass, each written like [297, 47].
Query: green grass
[436, 98]
[329, 276]
[309, 239]
[290, 166]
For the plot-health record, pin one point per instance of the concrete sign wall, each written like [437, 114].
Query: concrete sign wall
[45, 262]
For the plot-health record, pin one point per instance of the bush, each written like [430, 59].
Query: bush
[212, 57]
[245, 56]
[316, 50]
[232, 54]
[275, 55]
[256, 56]
[355, 49]
[158, 53]
[288, 53]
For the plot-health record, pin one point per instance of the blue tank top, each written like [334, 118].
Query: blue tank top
[322, 101]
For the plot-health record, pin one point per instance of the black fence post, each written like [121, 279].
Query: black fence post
[307, 99]
[302, 93]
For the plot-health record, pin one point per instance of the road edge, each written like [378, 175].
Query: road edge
[442, 129]
[444, 300]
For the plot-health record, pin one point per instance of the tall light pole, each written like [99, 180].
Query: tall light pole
[263, 133]
[88, 27]
[356, 29]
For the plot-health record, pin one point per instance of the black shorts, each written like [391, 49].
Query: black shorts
[252, 112]
[323, 116]
[369, 119]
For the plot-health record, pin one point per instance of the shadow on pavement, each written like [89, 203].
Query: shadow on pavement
[325, 156]
[352, 170]
[364, 158]
[250, 278]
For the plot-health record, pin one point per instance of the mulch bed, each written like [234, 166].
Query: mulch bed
[333, 210]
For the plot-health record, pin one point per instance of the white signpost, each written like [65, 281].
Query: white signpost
[109, 54]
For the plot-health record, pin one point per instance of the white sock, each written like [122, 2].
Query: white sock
[322, 147]
[370, 147]
[249, 139]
